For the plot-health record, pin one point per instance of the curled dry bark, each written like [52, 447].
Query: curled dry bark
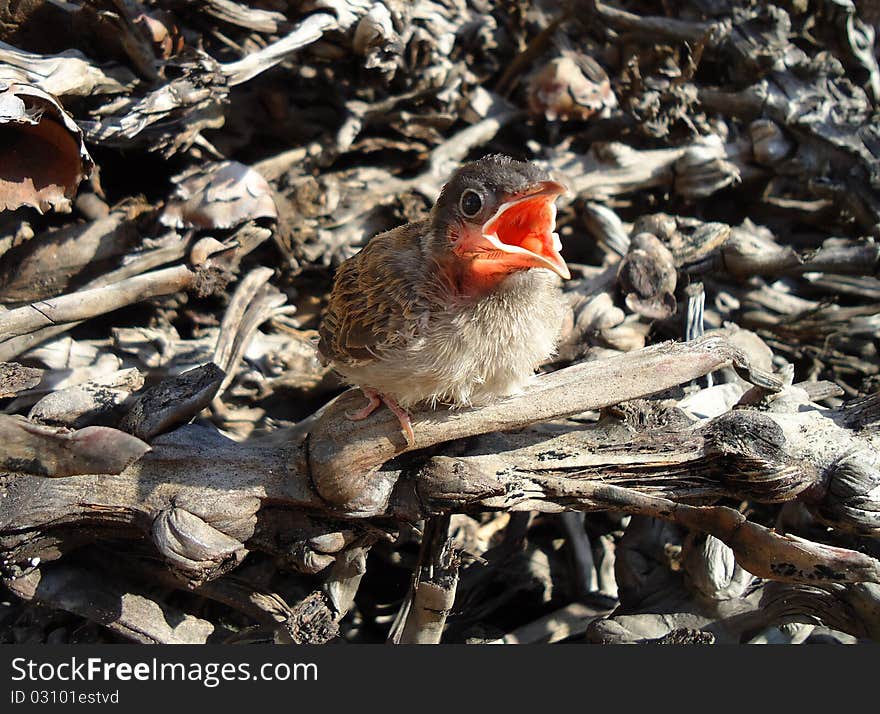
[43, 156]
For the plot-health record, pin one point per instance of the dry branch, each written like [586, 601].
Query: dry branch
[339, 448]
[202, 498]
[114, 603]
[89, 303]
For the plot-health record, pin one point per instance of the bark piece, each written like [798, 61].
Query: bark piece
[170, 118]
[66, 74]
[254, 302]
[193, 548]
[219, 195]
[30, 448]
[432, 593]
[15, 378]
[87, 403]
[312, 621]
[174, 401]
[309, 30]
[42, 154]
[569, 621]
[113, 603]
[647, 277]
[52, 263]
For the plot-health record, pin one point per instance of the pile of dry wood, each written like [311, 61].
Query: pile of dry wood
[178, 182]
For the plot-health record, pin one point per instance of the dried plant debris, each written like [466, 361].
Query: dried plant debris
[570, 87]
[42, 155]
[15, 378]
[66, 74]
[220, 195]
[697, 463]
[47, 452]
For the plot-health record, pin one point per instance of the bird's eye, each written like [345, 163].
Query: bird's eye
[470, 203]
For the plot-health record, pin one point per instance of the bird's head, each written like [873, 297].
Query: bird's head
[497, 216]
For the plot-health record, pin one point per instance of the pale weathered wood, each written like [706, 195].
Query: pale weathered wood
[212, 492]
[342, 454]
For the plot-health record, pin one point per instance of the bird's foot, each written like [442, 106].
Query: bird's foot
[375, 400]
[404, 419]
[361, 414]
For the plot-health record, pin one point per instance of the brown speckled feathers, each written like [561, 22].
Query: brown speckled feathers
[374, 304]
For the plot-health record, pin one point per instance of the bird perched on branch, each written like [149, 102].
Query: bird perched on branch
[456, 309]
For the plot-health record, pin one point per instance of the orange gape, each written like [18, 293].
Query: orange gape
[529, 224]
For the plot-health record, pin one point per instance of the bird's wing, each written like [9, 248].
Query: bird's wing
[375, 302]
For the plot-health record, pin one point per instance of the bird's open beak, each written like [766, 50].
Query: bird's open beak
[522, 233]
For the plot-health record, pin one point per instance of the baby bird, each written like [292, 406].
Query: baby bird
[457, 309]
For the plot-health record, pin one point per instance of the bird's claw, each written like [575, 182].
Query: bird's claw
[361, 414]
[375, 400]
[405, 421]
